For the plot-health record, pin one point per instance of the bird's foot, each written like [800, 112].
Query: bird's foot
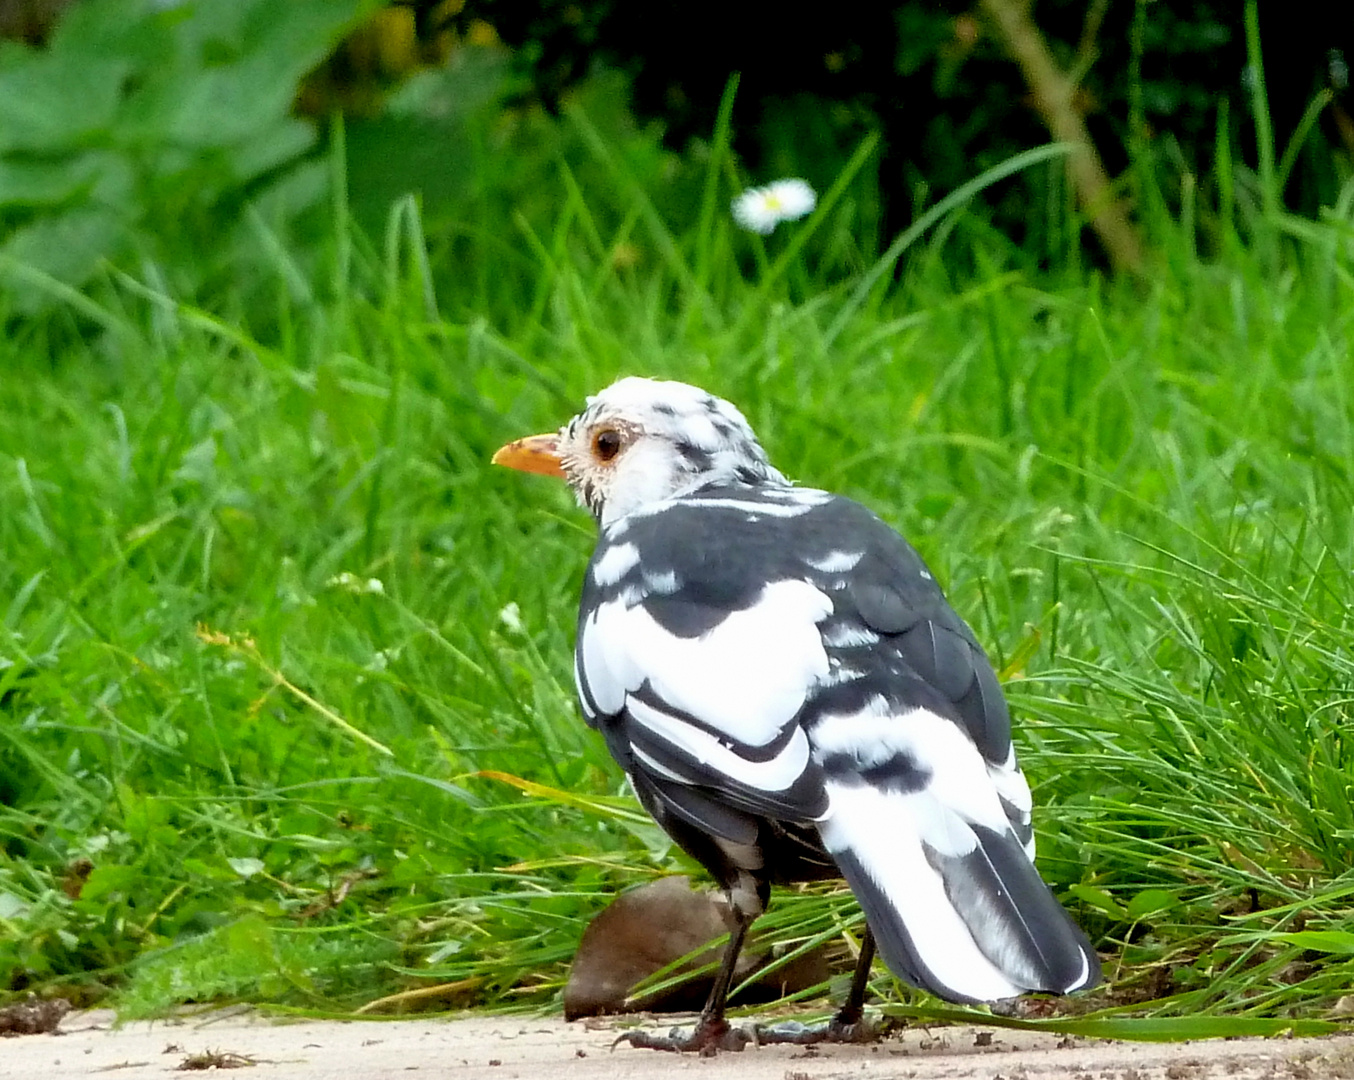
[835, 1030]
[707, 1039]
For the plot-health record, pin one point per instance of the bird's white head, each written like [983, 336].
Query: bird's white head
[641, 441]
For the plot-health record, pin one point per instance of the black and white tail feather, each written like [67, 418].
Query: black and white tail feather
[793, 698]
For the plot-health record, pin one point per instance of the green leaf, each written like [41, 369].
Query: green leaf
[1327, 941]
[246, 866]
[34, 184]
[104, 880]
[138, 33]
[248, 79]
[52, 104]
[12, 907]
[203, 868]
[1100, 900]
[271, 147]
[1151, 902]
[222, 107]
[67, 247]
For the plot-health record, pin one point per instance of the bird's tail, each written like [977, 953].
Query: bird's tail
[956, 908]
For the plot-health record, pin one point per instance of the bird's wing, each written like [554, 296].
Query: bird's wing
[929, 814]
[785, 653]
[894, 629]
[696, 664]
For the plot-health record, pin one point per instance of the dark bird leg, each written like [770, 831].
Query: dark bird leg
[713, 1033]
[848, 1026]
[853, 1009]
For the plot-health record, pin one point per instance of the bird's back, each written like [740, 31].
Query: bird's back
[781, 676]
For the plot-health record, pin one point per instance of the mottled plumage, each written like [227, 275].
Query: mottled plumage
[793, 698]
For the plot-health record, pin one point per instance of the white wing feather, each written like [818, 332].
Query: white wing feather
[746, 678]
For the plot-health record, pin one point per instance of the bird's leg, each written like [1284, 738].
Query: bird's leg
[712, 1033]
[853, 1009]
[848, 1026]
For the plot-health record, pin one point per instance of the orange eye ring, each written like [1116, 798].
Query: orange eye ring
[606, 444]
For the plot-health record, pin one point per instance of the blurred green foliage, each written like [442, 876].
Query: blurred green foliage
[141, 131]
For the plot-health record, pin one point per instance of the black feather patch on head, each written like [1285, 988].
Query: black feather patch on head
[697, 460]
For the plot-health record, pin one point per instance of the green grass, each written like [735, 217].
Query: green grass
[267, 614]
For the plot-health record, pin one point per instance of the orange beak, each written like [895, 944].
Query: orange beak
[534, 454]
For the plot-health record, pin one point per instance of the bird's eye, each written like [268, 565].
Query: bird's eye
[606, 444]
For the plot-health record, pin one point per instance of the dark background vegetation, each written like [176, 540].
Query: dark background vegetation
[938, 84]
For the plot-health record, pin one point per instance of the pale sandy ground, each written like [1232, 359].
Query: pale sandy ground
[516, 1047]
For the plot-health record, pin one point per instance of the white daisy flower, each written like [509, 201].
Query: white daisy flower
[511, 617]
[762, 209]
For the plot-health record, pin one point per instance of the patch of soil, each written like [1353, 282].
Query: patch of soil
[33, 1016]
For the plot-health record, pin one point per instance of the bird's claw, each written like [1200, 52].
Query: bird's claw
[706, 1039]
[709, 1039]
[831, 1031]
